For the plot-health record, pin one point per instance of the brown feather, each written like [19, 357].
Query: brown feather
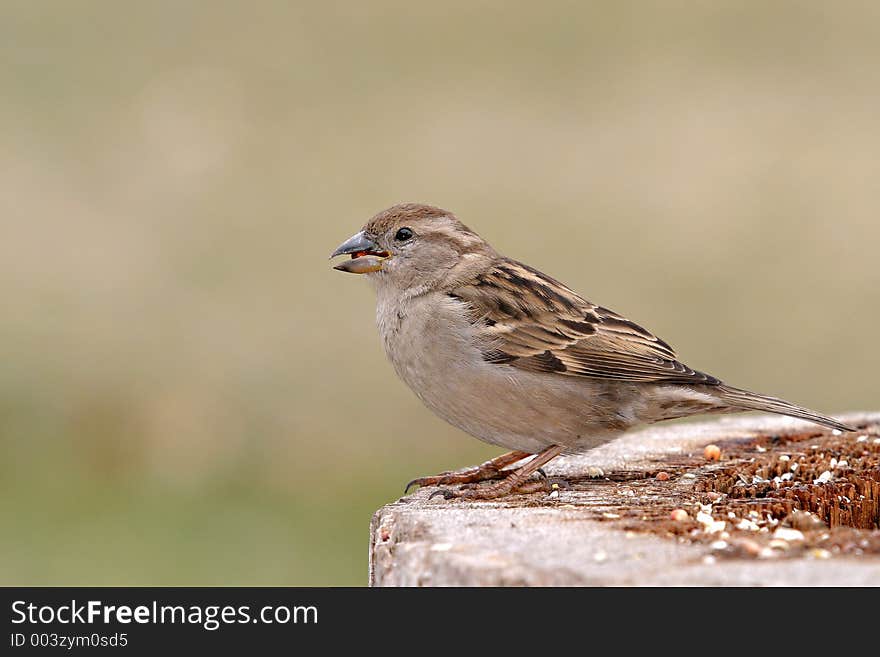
[532, 322]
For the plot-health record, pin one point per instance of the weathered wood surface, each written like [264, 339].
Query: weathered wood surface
[615, 530]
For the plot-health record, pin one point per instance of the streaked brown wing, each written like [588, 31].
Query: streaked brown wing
[533, 322]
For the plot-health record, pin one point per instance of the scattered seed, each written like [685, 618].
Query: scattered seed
[679, 515]
[662, 476]
[712, 452]
[824, 478]
[747, 525]
[710, 525]
[787, 534]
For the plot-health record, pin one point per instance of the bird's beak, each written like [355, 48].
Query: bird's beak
[366, 256]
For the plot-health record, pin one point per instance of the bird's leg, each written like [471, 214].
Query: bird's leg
[491, 469]
[514, 482]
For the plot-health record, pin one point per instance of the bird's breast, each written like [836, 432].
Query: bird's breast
[428, 340]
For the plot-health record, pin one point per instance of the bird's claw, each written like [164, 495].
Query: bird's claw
[445, 492]
[421, 482]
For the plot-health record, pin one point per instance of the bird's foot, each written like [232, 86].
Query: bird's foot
[542, 483]
[472, 491]
[514, 483]
[491, 469]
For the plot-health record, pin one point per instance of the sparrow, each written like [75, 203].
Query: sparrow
[517, 359]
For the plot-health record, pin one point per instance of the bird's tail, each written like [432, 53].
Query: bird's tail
[752, 401]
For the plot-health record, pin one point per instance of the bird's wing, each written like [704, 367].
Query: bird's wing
[530, 321]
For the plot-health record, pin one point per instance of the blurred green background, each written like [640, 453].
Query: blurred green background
[190, 395]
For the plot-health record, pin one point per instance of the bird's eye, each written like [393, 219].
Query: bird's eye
[403, 234]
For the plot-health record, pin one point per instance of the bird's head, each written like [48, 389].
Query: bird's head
[413, 246]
